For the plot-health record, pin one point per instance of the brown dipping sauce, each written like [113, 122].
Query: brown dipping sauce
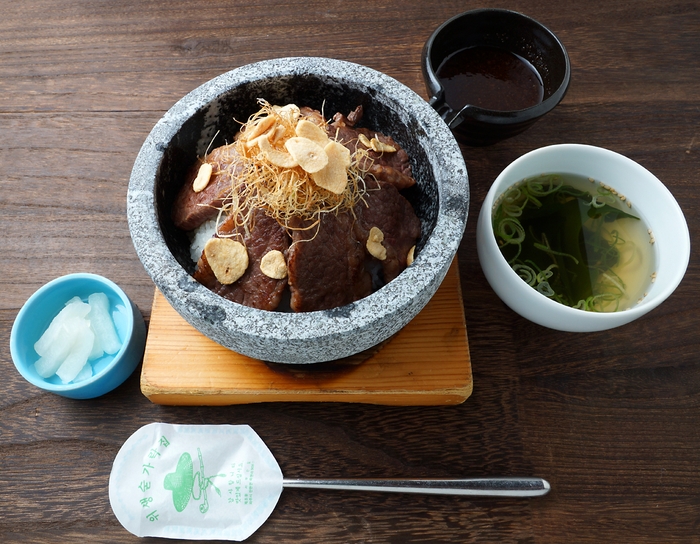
[490, 78]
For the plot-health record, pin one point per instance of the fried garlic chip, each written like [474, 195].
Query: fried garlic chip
[260, 127]
[411, 256]
[273, 265]
[381, 147]
[307, 129]
[227, 258]
[374, 243]
[290, 112]
[364, 140]
[334, 177]
[203, 176]
[275, 156]
[308, 154]
[375, 144]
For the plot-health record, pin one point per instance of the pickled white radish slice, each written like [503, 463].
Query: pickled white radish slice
[77, 357]
[73, 308]
[102, 323]
[55, 353]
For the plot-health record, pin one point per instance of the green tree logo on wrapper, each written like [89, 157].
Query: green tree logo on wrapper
[186, 484]
[159, 485]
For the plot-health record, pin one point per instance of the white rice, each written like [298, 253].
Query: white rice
[199, 237]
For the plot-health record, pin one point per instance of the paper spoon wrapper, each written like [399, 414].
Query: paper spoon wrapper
[203, 482]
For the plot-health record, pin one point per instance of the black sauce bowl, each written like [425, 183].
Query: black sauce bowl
[503, 29]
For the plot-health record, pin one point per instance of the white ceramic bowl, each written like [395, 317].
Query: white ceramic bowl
[649, 198]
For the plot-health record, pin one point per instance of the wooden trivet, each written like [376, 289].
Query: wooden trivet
[425, 363]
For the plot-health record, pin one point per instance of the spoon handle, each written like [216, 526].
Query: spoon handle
[474, 487]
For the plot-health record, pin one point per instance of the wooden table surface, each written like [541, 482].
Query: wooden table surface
[611, 419]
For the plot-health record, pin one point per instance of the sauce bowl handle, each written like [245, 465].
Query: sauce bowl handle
[451, 117]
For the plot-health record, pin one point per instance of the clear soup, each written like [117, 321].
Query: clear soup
[576, 241]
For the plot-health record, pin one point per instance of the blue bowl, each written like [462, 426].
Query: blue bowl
[109, 371]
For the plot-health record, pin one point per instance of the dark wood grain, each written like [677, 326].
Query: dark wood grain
[611, 419]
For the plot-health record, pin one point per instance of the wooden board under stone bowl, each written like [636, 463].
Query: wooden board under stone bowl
[425, 363]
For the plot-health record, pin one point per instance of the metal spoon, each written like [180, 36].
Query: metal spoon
[473, 487]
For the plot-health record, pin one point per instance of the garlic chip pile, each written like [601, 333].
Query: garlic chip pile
[292, 168]
[308, 147]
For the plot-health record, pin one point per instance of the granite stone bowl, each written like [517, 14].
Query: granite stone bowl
[213, 112]
[645, 197]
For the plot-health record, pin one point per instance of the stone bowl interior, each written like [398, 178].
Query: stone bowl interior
[210, 116]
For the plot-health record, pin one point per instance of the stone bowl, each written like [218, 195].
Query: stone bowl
[440, 198]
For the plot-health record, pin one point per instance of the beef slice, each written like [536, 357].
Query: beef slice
[253, 289]
[191, 209]
[387, 209]
[327, 264]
